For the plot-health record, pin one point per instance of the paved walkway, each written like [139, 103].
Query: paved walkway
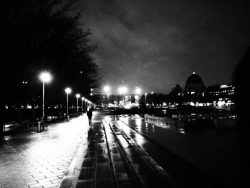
[64, 156]
[32, 159]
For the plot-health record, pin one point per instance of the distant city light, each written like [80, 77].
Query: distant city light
[106, 89]
[122, 90]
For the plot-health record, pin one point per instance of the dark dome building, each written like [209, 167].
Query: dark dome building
[195, 84]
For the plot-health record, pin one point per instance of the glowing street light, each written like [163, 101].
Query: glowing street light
[77, 97]
[137, 91]
[107, 91]
[123, 90]
[45, 77]
[68, 91]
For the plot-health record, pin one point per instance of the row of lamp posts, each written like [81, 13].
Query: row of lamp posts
[122, 90]
[46, 77]
[68, 91]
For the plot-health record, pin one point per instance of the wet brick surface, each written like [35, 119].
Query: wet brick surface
[32, 159]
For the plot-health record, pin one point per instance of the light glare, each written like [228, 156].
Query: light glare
[68, 90]
[45, 77]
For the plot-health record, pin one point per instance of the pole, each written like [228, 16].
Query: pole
[43, 106]
[108, 100]
[67, 110]
[82, 106]
[77, 106]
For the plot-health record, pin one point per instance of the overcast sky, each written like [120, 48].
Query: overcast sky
[156, 44]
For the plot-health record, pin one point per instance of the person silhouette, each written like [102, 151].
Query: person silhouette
[89, 114]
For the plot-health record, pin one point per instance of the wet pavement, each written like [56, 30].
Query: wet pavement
[120, 151]
[31, 159]
[216, 153]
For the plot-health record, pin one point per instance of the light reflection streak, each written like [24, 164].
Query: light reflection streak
[138, 124]
[165, 125]
[130, 132]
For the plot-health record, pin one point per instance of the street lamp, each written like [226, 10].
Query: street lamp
[137, 91]
[45, 77]
[107, 91]
[146, 100]
[82, 103]
[152, 103]
[68, 91]
[77, 96]
[123, 90]
[86, 100]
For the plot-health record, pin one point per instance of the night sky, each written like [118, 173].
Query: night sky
[156, 44]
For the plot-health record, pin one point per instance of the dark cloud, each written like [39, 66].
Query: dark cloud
[157, 44]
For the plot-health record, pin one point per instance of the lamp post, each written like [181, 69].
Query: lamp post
[146, 100]
[107, 90]
[86, 100]
[138, 92]
[77, 97]
[123, 90]
[68, 91]
[152, 99]
[82, 104]
[45, 77]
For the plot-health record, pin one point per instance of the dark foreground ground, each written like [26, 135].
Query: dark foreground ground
[120, 151]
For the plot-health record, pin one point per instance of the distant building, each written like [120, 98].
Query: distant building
[194, 84]
[221, 95]
[193, 91]
[196, 94]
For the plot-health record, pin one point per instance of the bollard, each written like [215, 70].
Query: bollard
[38, 127]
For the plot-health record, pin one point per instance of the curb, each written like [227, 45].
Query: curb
[71, 177]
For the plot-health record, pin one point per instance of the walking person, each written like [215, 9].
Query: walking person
[89, 114]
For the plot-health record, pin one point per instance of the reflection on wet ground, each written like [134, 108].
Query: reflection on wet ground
[213, 150]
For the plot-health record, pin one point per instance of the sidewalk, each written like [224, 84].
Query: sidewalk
[30, 159]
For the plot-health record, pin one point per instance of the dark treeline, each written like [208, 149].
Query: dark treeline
[38, 35]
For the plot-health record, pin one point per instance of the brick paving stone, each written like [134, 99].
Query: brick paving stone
[105, 182]
[56, 181]
[103, 170]
[85, 184]
[33, 182]
[89, 162]
[87, 173]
